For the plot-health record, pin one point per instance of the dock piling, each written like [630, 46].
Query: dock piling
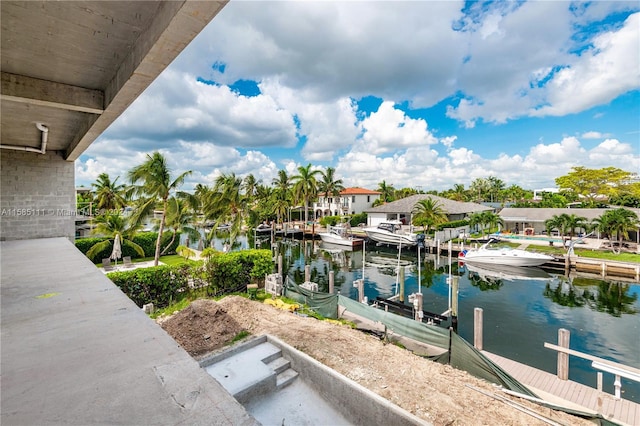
[563, 358]
[477, 328]
[331, 281]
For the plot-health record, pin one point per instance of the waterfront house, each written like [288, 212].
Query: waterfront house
[350, 201]
[531, 220]
[402, 209]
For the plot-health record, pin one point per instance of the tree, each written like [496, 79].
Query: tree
[387, 192]
[110, 225]
[458, 193]
[495, 188]
[594, 183]
[283, 198]
[250, 185]
[429, 213]
[484, 219]
[617, 222]
[180, 218]
[479, 187]
[152, 180]
[305, 186]
[227, 203]
[108, 195]
[329, 184]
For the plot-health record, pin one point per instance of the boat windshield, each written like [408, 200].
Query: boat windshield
[391, 227]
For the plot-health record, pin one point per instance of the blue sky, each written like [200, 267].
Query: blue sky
[420, 94]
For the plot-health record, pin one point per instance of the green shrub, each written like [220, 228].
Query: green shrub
[329, 220]
[222, 274]
[160, 285]
[226, 272]
[357, 219]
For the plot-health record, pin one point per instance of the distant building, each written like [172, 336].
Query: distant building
[350, 201]
[531, 220]
[537, 193]
[402, 209]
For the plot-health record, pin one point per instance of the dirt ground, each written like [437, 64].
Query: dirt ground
[437, 393]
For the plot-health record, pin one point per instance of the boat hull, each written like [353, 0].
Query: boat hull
[407, 240]
[506, 257]
[342, 241]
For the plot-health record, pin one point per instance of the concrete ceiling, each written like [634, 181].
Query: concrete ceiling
[75, 66]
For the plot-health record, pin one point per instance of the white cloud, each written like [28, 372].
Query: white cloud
[389, 129]
[599, 75]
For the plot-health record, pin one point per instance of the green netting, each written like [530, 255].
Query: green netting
[460, 353]
[322, 303]
[415, 330]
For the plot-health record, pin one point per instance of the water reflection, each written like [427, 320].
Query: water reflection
[523, 309]
[611, 297]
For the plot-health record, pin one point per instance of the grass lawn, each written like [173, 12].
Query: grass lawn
[172, 259]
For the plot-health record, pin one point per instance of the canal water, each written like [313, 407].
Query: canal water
[522, 307]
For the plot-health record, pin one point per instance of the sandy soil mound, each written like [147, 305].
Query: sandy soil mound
[437, 393]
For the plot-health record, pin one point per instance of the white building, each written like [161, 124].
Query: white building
[350, 201]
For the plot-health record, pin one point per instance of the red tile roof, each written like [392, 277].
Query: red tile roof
[356, 191]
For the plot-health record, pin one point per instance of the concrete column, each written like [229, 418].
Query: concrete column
[280, 264]
[477, 328]
[307, 273]
[563, 359]
[331, 281]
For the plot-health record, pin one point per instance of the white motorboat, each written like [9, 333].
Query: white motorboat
[391, 232]
[503, 256]
[339, 234]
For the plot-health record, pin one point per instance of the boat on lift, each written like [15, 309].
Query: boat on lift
[391, 232]
[339, 234]
[503, 256]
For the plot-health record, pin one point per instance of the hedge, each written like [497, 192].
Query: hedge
[222, 273]
[146, 240]
[159, 285]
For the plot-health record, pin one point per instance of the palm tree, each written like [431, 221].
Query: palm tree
[227, 203]
[386, 192]
[109, 195]
[329, 184]
[305, 186]
[492, 219]
[479, 187]
[617, 222]
[154, 176]
[250, 185]
[180, 218]
[458, 192]
[111, 224]
[429, 213]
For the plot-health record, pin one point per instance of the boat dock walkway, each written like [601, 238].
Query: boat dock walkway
[581, 397]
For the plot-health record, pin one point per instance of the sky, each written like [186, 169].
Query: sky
[420, 94]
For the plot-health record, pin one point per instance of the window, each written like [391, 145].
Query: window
[353, 199]
[368, 198]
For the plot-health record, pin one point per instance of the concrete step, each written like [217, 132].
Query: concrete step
[285, 378]
[278, 365]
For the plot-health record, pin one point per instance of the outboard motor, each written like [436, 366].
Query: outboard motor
[420, 239]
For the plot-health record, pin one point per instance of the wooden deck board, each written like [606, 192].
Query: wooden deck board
[623, 411]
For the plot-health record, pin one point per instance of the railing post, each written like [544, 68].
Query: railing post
[477, 328]
[563, 358]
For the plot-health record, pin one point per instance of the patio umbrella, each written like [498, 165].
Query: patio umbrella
[117, 249]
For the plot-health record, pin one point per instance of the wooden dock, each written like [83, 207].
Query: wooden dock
[579, 396]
